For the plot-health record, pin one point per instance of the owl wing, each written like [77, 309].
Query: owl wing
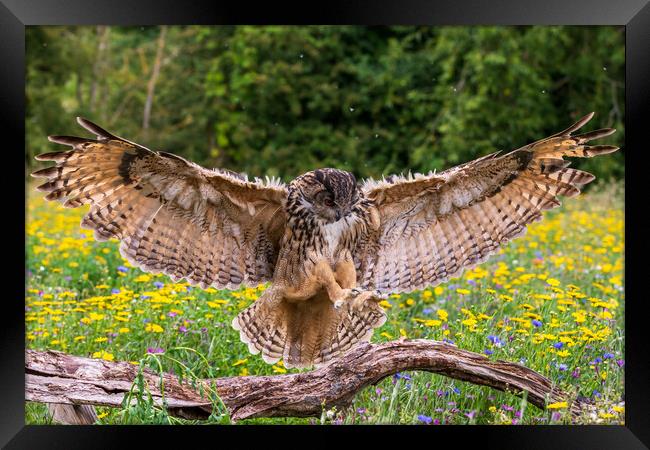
[433, 226]
[212, 227]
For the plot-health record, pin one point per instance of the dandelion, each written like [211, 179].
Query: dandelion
[557, 405]
[103, 355]
[154, 328]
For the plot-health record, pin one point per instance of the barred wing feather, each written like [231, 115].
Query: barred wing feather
[212, 227]
[433, 226]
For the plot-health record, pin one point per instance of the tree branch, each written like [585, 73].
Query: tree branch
[55, 377]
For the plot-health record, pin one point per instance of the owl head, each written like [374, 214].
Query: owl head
[327, 195]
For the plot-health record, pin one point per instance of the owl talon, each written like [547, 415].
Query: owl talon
[338, 304]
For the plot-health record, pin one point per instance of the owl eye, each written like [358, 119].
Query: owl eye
[325, 198]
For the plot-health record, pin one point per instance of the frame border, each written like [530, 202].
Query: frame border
[634, 14]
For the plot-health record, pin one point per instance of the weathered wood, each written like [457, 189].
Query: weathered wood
[55, 377]
[72, 414]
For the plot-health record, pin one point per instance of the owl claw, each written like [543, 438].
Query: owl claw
[338, 304]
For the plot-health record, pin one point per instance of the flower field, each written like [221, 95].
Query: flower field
[552, 300]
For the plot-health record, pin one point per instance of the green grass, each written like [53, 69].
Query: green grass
[565, 273]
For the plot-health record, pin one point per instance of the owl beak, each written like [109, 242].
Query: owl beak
[339, 214]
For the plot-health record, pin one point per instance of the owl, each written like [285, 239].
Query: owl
[330, 246]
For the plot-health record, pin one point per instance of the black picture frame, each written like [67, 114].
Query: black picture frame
[633, 14]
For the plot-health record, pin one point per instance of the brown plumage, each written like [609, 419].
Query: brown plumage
[316, 239]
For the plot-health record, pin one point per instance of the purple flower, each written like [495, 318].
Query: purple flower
[378, 391]
[448, 341]
[488, 351]
[115, 291]
[427, 311]
[158, 284]
[576, 372]
[562, 367]
[361, 410]
[470, 414]
[507, 407]
[597, 360]
[538, 254]
[495, 340]
[515, 421]
[537, 323]
[145, 296]
[68, 278]
[436, 421]
[399, 375]
[122, 269]
[471, 282]
[425, 419]
[518, 414]
[555, 416]
[155, 350]
[182, 329]
[620, 362]
[608, 355]
[596, 393]
[172, 314]
[558, 345]
[456, 390]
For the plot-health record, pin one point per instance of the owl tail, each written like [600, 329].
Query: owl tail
[305, 333]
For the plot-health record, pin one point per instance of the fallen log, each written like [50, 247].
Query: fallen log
[56, 377]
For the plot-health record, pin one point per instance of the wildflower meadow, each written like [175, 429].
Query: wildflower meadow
[552, 300]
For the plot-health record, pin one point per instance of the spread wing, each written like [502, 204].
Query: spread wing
[212, 227]
[433, 226]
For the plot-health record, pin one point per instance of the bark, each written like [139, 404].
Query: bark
[55, 377]
[151, 86]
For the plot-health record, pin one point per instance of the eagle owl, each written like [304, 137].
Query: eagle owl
[330, 246]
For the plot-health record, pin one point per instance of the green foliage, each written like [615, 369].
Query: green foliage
[281, 100]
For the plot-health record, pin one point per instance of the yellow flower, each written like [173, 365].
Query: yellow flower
[240, 362]
[278, 369]
[103, 355]
[386, 335]
[557, 405]
[463, 291]
[123, 330]
[155, 328]
[101, 339]
[102, 415]
[442, 314]
[384, 304]
[438, 290]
